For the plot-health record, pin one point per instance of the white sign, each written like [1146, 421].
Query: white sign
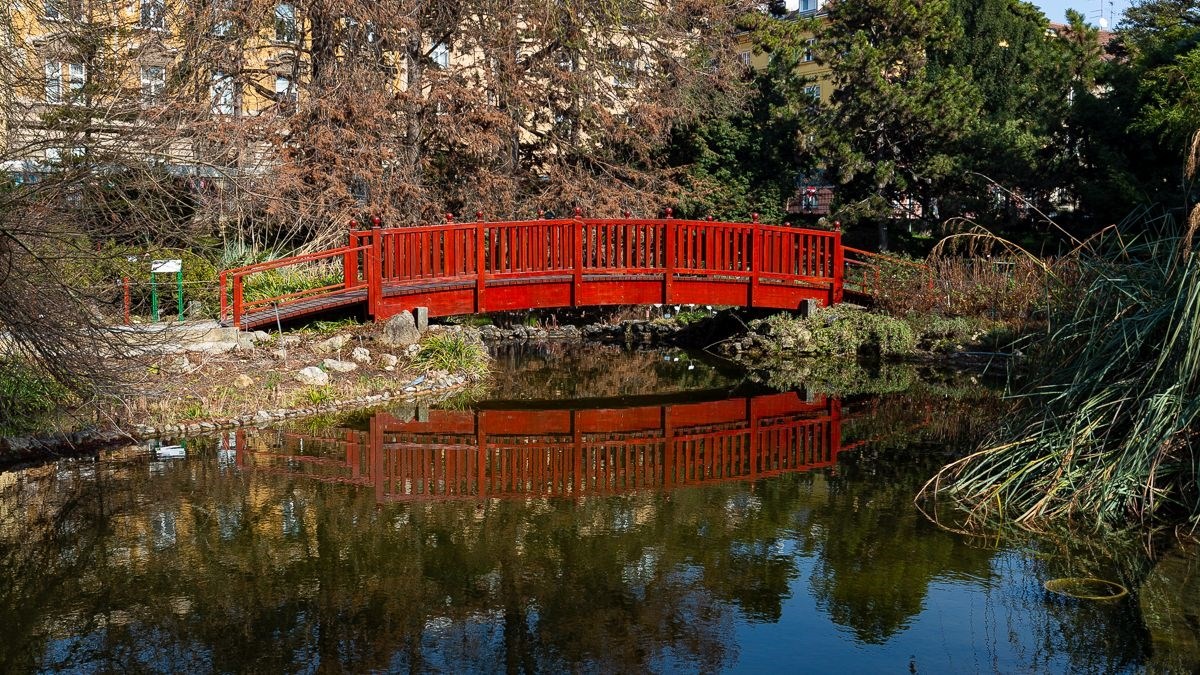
[165, 266]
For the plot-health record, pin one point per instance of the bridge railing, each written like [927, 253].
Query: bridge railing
[353, 276]
[866, 271]
[478, 253]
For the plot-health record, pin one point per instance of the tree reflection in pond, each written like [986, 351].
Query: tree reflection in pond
[669, 540]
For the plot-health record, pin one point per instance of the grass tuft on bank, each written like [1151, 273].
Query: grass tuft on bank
[453, 353]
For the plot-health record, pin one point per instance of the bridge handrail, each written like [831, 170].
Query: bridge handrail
[237, 274]
[484, 251]
[889, 259]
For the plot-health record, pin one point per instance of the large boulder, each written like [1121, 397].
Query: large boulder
[401, 330]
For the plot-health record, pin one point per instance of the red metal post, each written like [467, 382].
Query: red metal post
[237, 300]
[375, 273]
[577, 286]
[672, 231]
[756, 256]
[480, 264]
[125, 283]
[839, 265]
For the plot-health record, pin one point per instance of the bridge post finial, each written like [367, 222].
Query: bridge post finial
[578, 212]
[670, 212]
[786, 224]
[449, 217]
[837, 225]
[709, 218]
[628, 213]
[479, 216]
[541, 214]
[375, 221]
[754, 217]
[353, 224]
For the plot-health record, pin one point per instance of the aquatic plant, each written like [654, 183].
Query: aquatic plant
[1106, 430]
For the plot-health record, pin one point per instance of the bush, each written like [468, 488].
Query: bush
[841, 331]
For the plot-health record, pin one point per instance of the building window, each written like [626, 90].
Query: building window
[808, 50]
[77, 77]
[222, 25]
[441, 55]
[154, 80]
[626, 74]
[813, 91]
[285, 91]
[744, 57]
[152, 14]
[61, 10]
[810, 5]
[53, 82]
[222, 93]
[285, 23]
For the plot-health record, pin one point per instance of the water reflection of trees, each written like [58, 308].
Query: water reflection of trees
[198, 565]
[543, 370]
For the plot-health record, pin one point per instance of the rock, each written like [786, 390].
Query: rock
[401, 330]
[195, 309]
[245, 343]
[211, 347]
[182, 365]
[388, 361]
[338, 366]
[280, 354]
[262, 416]
[361, 354]
[289, 340]
[260, 336]
[412, 350]
[421, 316]
[243, 381]
[331, 345]
[212, 334]
[313, 375]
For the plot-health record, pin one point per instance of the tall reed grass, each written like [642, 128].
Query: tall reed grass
[1106, 431]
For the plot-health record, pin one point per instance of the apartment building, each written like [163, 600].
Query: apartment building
[366, 103]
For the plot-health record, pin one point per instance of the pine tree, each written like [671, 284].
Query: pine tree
[890, 134]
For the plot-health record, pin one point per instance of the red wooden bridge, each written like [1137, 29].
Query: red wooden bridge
[563, 452]
[467, 268]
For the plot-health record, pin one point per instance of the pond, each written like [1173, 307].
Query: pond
[597, 511]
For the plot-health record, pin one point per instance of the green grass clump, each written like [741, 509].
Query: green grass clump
[287, 280]
[1108, 428]
[27, 396]
[842, 332]
[453, 354]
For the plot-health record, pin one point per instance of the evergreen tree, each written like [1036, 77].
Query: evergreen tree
[892, 131]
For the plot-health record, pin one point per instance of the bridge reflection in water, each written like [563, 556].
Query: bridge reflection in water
[448, 454]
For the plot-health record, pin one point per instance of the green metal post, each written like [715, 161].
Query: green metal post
[153, 299]
[179, 291]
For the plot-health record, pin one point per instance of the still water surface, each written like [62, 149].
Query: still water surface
[596, 512]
